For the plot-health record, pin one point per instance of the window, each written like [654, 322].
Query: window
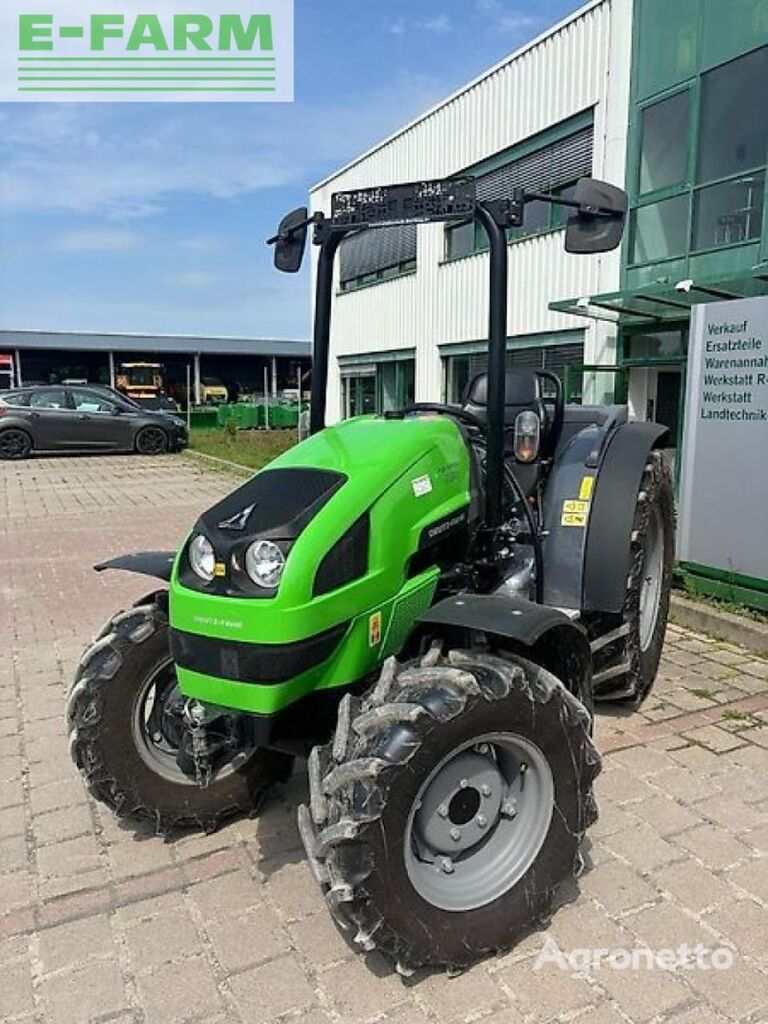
[18, 399]
[659, 345]
[553, 167]
[723, 205]
[370, 257]
[664, 145]
[379, 387]
[729, 213]
[461, 369]
[734, 119]
[734, 146]
[660, 231]
[55, 398]
[89, 401]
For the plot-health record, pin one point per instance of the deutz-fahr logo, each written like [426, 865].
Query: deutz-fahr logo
[147, 49]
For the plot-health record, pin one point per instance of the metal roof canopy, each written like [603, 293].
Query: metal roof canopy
[657, 304]
[159, 343]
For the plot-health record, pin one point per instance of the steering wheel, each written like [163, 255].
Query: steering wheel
[446, 410]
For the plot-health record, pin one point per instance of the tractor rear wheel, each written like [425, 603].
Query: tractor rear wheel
[629, 666]
[129, 737]
[450, 806]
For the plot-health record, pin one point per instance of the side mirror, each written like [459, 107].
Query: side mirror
[291, 241]
[598, 224]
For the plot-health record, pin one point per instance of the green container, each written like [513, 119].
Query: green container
[243, 415]
[284, 417]
[204, 419]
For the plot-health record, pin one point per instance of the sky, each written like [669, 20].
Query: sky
[151, 218]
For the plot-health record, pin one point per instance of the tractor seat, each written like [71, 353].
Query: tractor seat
[523, 392]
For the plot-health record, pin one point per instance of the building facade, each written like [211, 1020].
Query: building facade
[668, 100]
[411, 304]
[696, 176]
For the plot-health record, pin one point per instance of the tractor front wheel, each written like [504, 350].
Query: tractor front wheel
[450, 807]
[131, 741]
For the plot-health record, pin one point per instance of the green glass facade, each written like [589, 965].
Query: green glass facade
[698, 146]
[696, 178]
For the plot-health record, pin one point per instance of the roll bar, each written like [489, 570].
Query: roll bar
[596, 225]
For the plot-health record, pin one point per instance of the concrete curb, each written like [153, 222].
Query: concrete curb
[241, 470]
[720, 624]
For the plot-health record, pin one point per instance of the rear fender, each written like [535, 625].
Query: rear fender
[545, 635]
[609, 533]
[157, 564]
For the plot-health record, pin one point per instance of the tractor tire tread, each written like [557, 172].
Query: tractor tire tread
[356, 792]
[124, 634]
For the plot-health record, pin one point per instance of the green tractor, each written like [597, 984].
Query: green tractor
[425, 605]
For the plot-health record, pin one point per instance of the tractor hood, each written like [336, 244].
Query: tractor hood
[349, 508]
[312, 496]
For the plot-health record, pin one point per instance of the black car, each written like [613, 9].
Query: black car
[56, 418]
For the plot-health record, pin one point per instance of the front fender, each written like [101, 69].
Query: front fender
[545, 635]
[157, 564]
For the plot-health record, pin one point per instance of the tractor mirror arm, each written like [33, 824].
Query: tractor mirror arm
[287, 234]
[587, 209]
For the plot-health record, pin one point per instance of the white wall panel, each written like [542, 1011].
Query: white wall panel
[578, 65]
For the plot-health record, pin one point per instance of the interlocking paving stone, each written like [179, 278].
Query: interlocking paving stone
[103, 922]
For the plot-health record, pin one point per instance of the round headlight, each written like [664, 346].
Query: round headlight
[264, 563]
[202, 558]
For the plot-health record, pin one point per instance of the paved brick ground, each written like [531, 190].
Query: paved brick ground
[100, 923]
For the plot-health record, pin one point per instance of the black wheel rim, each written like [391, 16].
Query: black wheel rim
[158, 748]
[152, 441]
[13, 444]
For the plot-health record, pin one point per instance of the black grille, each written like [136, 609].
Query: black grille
[347, 560]
[283, 500]
[253, 663]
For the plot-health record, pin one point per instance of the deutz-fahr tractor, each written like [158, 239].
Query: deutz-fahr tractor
[425, 605]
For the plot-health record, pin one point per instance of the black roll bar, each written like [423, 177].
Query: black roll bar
[453, 200]
[322, 328]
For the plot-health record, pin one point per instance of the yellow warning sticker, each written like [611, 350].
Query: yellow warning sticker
[586, 489]
[219, 569]
[576, 506]
[374, 630]
[574, 519]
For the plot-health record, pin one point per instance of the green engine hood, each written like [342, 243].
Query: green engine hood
[407, 477]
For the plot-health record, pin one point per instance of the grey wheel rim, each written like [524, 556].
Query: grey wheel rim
[156, 749]
[651, 579]
[479, 822]
[13, 444]
[152, 441]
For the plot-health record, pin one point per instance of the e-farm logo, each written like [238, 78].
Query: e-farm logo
[161, 50]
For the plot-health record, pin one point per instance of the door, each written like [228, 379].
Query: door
[100, 422]
[664, 405]
[51, 419]
[359, 394]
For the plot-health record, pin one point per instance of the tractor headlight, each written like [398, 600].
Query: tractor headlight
[202, 558]
[264, 563]
[527, 436]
